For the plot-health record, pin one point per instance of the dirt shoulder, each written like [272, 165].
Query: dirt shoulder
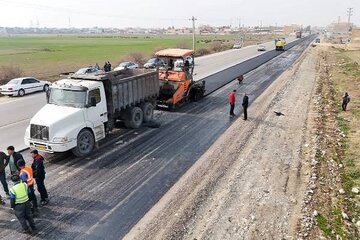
[251, 183]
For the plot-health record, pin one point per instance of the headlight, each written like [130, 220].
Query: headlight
[61, 139]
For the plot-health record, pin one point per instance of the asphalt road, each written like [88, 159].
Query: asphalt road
[19, 111]
[103, 196]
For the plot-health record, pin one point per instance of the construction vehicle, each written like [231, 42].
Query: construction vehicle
[280, 44]
[83, 109]
[298, 34]
[176, 78]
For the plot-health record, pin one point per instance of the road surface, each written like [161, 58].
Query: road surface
[19, 111]
[103, 196]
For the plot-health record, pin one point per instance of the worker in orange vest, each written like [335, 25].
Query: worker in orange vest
[26, 176]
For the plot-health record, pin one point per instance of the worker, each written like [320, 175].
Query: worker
[19, 201]
[245, 105]
[3, 163]
[346, 100]
[232, 102]
[39, 175]
[13, 159]
[26, 176]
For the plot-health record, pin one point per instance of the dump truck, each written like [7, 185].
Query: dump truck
[280, 44]
[298, 34]
[176, 78]
[83, 109]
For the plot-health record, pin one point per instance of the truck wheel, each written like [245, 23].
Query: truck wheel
[136, 117]
[85, 143]
[148, 111]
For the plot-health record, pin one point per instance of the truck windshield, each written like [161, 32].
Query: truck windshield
[70, 98]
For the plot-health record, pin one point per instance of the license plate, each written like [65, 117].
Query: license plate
[40, 147]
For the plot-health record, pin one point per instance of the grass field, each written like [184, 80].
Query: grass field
[47, 56]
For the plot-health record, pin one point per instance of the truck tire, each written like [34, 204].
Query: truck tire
[85, 143]
[135, 118]
[148, 111]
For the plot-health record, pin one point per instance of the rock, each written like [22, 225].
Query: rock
[358, 223]
[315, 213]
[355, 190]
[342, 191]
[344, 215]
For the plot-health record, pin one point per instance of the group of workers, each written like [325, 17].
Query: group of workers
[232, 100]
[22, 195]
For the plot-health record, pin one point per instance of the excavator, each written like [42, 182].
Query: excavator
[176, 78]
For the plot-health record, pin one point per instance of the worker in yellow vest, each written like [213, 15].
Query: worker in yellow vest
[26, 176]
[19, 201]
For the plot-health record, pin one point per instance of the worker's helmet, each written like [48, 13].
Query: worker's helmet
[15, 178]
[21, 163]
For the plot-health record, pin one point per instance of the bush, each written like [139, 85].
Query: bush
[137, 57]
[216, 46]
[202, 52]
[9, 72]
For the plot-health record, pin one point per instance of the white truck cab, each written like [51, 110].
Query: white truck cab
[73, 118]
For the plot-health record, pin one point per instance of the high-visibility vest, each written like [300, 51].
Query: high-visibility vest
[29, 172]
[20, 191]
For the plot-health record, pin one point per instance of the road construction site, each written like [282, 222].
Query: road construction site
[105, 195]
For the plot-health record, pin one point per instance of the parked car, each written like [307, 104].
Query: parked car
[317, 40]
[88, 70]
[126, 65]
[261, 48]
[154, 63]
[22, 86]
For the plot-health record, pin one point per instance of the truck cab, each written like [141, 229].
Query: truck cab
[73, 118]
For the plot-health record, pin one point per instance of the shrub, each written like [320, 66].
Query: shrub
[216, 46]
[9, 72]
[202, 52]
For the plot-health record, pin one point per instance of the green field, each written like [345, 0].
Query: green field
[46, 56]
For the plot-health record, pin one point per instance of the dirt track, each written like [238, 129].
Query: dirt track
[251, 183]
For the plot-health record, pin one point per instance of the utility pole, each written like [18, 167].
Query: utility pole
[193, 19]
[349, 13]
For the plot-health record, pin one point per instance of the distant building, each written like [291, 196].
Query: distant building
[339, 28]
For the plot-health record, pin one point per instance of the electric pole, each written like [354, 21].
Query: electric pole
[349, 13]
[193, 19]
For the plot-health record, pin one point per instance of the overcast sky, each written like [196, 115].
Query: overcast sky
[164, 13]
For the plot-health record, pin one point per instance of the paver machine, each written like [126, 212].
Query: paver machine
[176, 78]
[280, 44]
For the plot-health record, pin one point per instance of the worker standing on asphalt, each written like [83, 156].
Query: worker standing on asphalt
[19, 201]
[39, 175]
[13, 159]
[26, 176]
[245, 105]
[3, 163]
[232, 102]
[346, 100]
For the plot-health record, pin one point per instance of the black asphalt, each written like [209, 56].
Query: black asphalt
[103, 196]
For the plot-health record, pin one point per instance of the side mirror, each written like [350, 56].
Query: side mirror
[93, 102]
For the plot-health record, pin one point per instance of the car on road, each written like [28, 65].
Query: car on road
[317, 40]
[21, 86]
[237, 46]
[88, 70]
[261, 48]
[154, 63]
[126, 65]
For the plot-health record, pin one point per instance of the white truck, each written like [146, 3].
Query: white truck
[81, 110]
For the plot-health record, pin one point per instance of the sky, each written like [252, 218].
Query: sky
[165, 13]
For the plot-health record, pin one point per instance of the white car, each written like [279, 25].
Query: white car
[126, 65]
[88, 70]
[22, 86]
[261, 48]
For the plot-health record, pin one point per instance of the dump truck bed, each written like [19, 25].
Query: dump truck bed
[127, 88]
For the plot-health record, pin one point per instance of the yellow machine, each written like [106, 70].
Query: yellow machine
[176, 78]
[280, 44]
